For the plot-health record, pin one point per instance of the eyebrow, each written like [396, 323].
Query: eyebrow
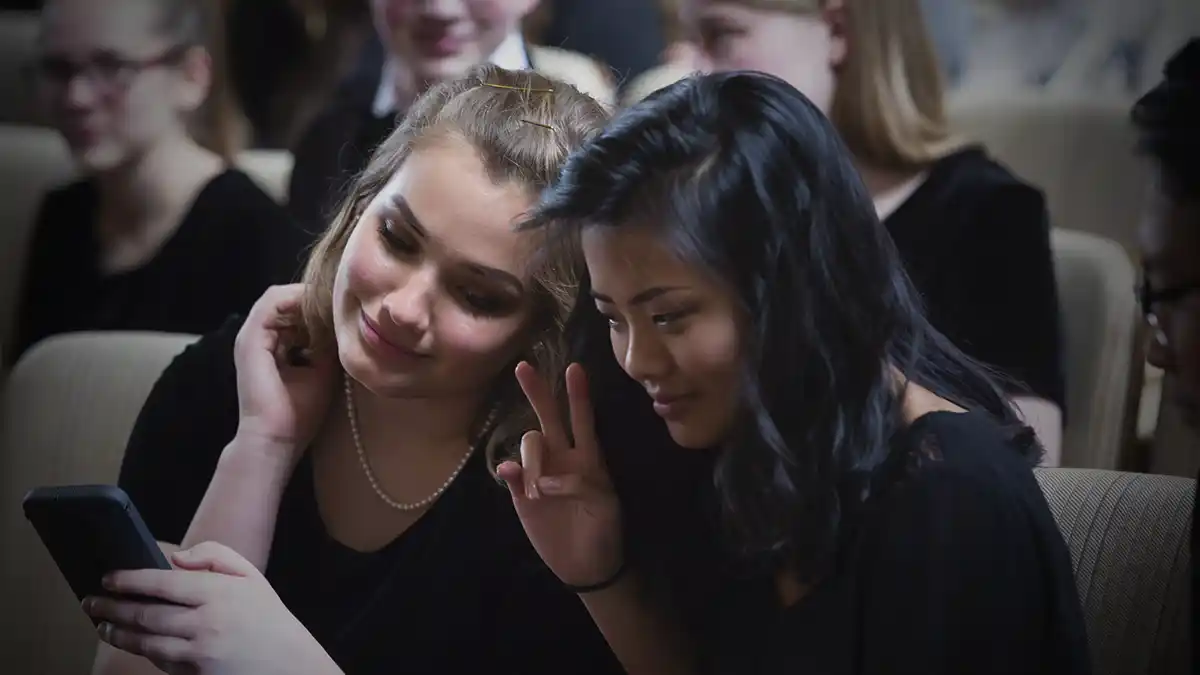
[643, 296]
[398, 203]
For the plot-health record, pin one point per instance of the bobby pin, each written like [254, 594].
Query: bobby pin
[527, 90]
[538, 124]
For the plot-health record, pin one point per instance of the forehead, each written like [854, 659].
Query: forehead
[117, 25]
[621, 260]
[461, 208]
[1169, 235]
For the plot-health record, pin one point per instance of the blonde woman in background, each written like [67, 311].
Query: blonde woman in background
[974, 238]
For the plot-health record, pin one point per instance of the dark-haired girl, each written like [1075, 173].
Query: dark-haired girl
[872, 484]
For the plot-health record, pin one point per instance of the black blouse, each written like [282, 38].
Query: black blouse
[232, 244]
[461, 591]
[976, 242]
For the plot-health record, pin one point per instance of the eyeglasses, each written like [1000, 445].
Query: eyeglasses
[1150, 298]
[108, 73]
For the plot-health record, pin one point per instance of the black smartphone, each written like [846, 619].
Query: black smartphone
[91, 530]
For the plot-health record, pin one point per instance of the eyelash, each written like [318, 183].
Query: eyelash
[665, 320]
[477, 304]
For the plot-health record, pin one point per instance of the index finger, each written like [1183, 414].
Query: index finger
[541, 398]
[278, 306]
[178, 587]
[583, 422]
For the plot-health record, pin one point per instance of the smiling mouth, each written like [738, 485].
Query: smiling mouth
[376, 339]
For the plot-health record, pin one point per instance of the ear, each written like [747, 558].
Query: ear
[196, 69]
[833, 12]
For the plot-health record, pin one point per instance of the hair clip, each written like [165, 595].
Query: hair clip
[527, 90]
[537, 124]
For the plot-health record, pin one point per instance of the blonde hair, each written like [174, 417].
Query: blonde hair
[522, 125]
[889, 101]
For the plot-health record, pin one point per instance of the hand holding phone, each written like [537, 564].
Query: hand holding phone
[90, 531]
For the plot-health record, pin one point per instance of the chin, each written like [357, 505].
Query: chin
[97, 158]
[692, 435]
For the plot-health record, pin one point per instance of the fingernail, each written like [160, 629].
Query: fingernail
[185, 554]
[107, 581]
[104, 628]
[550, 484]
[531, 491]
[88, 605]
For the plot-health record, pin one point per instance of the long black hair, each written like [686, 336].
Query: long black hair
[1166, 121]
[746, 179]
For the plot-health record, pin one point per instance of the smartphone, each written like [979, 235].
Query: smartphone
[91, 530]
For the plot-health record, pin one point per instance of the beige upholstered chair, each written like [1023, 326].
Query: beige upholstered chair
[1080, 152]
[1100, 322]
[270, 169]
[18, 39]
[67, 409]
[652, 80]
[1129, 540]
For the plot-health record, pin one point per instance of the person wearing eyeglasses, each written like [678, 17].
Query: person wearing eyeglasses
[1165, 119]
[158, 233]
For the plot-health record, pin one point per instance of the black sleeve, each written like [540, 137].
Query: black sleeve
[956, 580]
[1009, 318]
[189, 417]
[37, 281]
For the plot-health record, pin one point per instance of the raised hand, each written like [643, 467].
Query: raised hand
[284, 389]
[561, 491]
[215, 614]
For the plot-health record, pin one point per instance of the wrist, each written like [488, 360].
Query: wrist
[259, 455]
[612, 580]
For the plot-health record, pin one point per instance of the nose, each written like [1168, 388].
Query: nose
[642, 354]
[410, 305]
[441, 8]
[78, 92]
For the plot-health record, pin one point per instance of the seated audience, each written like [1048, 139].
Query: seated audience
[872, 482]
[422, 44]
[338, 443]
[1166, 119]
[159, 233]
[975, 239]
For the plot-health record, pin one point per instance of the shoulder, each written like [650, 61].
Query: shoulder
[188, 418]
[234, 190]
[960, 465]
[970, 176]
[63, 206]
[583, 72]
[233, 203]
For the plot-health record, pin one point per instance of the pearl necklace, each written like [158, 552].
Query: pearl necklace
[352, 413]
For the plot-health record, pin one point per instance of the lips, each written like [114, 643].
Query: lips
[672, 405]
[437, 41]
[389, 347]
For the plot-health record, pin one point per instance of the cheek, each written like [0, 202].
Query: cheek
[475, 343]
[363, 271]
[708, 353]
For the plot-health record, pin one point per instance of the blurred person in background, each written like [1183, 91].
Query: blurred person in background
[287, 58]
[159, 233]
[627, 35]
[1166, 121]
[974, 238]
[422, 43]
[1021, 44]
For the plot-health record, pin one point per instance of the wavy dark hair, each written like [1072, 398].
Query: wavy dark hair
[746, 179]
[1165, 119]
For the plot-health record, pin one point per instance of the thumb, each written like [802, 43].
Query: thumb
[514, 478]
[213, 557]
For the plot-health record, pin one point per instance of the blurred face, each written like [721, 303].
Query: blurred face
[1170, 243]
[803, 49]
[441, 39]
[431, 296]
[110, 84]
[673, 329]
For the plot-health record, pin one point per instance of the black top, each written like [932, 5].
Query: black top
[233, 243]
[976, 242]
[461, 591]
[953, 565]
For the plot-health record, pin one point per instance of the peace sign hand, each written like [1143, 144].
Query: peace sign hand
[563, 494]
